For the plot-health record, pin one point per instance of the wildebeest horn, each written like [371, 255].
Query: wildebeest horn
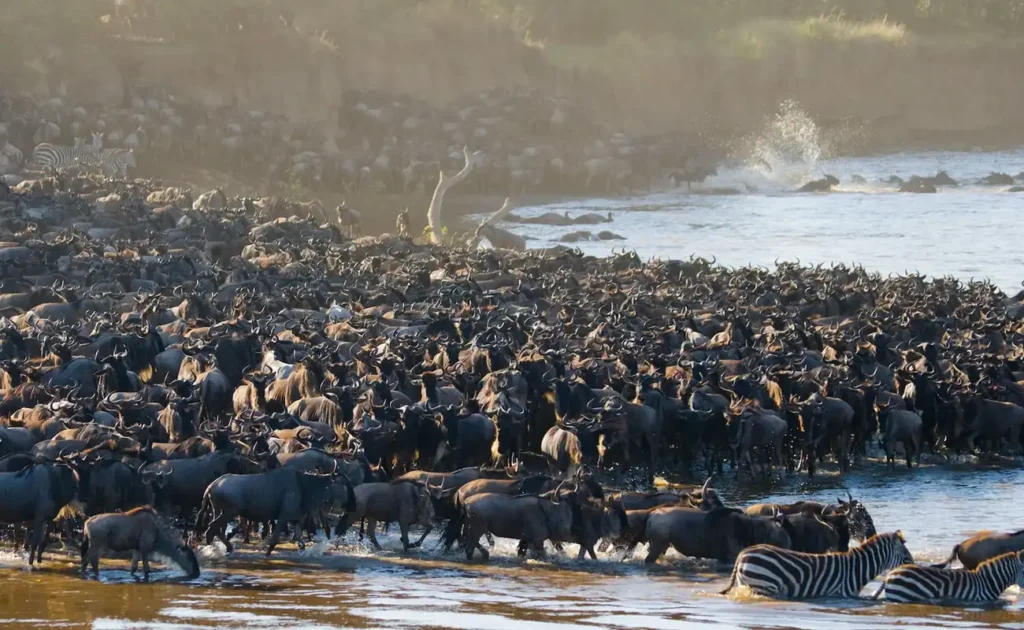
[704, 488]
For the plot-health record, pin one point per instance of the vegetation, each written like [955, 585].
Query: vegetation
[659, 65]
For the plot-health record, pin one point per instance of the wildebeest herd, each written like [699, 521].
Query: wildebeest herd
[530, 143]
[230, 370]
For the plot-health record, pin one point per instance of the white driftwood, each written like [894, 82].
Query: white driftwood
[497, 216]
[443, 184]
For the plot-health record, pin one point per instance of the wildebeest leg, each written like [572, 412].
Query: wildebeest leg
[43, 541]
[404, 527]
[538, 548]
[583, 551]
[490, 539]
[297, 535]
[371, 529]
[362, 529]
[472, 543]
[275, 535]
[95, 551]
[217, 528]
[145, 565]
[135, 561]
[654, 551]
[420, 541]
[522, 549]
[36, 539]
[325, 522]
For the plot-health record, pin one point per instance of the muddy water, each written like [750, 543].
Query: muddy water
[350, 586]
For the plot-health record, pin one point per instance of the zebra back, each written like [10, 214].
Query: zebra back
[985, 583]
[783, 573]
[60, 157]
[115, 162]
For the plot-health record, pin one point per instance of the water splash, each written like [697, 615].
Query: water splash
[781, 156]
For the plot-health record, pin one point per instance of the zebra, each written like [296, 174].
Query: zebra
[112, 161]
[59, 157]
[115, 162]
[913, 583]
[787, 574]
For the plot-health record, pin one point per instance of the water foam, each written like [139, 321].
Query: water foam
[781, 156]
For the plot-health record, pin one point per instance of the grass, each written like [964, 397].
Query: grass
[753, 39]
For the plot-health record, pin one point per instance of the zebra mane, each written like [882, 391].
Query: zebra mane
[877, 538]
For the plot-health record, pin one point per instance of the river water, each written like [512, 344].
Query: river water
[971, 230]
[349, 586]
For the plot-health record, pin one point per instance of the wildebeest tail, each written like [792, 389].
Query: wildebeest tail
[950, 559]
[202, 518]
[453, 530]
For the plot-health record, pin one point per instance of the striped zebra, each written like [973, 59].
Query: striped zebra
[787, 574]
[115, 162]
[60, 157]
[985, 583]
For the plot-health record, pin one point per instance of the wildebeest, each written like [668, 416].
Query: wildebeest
[984, 546]
[720, 534]
[35, 495]
[284, 496]
[406, 502]
[530, 518]
[141, 531]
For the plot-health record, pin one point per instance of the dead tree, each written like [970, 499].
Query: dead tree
[443, 184]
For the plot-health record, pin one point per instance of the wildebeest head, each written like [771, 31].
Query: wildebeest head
[706, 498]
[424, 505]
[860, 524]
[314, 488]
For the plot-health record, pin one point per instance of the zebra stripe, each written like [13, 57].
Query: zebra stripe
[115, 161]
[60, 157]
[912, 583]
[786, 574]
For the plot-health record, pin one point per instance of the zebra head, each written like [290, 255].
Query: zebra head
[900, 554]
[97, 140]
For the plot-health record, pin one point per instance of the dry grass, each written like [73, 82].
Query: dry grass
[753, 39]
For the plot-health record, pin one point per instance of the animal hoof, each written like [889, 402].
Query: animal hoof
[414, 545]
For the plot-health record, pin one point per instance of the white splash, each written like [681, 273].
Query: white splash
[783, 155]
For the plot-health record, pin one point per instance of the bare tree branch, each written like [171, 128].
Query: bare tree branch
[443, 184]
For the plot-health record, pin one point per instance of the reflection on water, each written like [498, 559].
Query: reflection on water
[350, 587]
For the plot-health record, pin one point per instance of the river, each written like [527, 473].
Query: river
[350, 586]
[966, 231]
